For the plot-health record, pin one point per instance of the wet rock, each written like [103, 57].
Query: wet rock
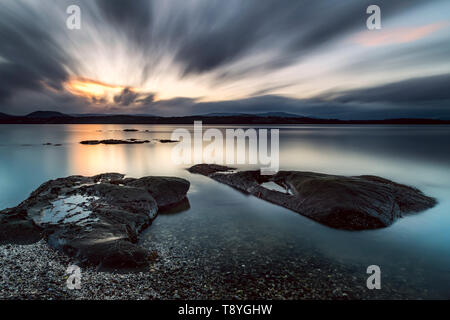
[95, 219]
[16, 228]
[167, 191]
[352, 203]
[208, 169]
[114, 141]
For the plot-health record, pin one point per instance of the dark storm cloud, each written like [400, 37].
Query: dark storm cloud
[417, 90]
[13, 77]
[316, 108]
[135, 17]
[126, 97]
[31, 56]
[295, 27]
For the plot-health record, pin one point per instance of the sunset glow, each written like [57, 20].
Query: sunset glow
[94, 89]
[398, 35]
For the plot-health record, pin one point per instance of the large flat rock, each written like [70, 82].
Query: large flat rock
[351, 203]
[95, 219]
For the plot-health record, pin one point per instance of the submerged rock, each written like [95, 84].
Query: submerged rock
[95, 219]
[52, 144]
[352, 203]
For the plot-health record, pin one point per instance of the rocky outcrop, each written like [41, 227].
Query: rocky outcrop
[351, 203]
[95, 219]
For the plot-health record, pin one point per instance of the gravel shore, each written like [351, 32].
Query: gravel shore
[38, 272]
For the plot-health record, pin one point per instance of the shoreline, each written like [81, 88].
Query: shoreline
[36, 271]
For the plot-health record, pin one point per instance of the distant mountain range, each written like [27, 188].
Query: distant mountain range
[4, 115]
[46, 115]
[266, 114]
[53, 117]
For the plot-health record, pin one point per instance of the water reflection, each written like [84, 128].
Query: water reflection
[417, 246]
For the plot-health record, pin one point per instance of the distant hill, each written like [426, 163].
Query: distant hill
[266, 114]
[279, 114]
[4, 115]
[46, 114]
[88, 115]
[81, 115]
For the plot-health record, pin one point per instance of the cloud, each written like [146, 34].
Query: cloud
[317, 108]
[135, 17]
[130, 97]
[144, 45]
[126, 97]
[31, 58]
[397, 35]
[417, 90]
[426, 54]
[419, 97]
[14, 77]
[225, 31]
[147, 99]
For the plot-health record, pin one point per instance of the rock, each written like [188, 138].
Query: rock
[114, 141]
[182, 206]
[16, 228]
[52, 144]
[168, 141]
[130, 130]
[167, 191]
[208, 169]
[96, 220]
[351, 203]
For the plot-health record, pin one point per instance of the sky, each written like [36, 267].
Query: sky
[187, 57]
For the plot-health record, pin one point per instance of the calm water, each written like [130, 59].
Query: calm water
[415, 250]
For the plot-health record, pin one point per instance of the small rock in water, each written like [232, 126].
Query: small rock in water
[114, 141]
[167, 141]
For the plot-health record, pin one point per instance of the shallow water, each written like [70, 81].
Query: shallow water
[415, 250]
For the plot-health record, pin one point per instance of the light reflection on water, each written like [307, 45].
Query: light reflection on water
[221, 218]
